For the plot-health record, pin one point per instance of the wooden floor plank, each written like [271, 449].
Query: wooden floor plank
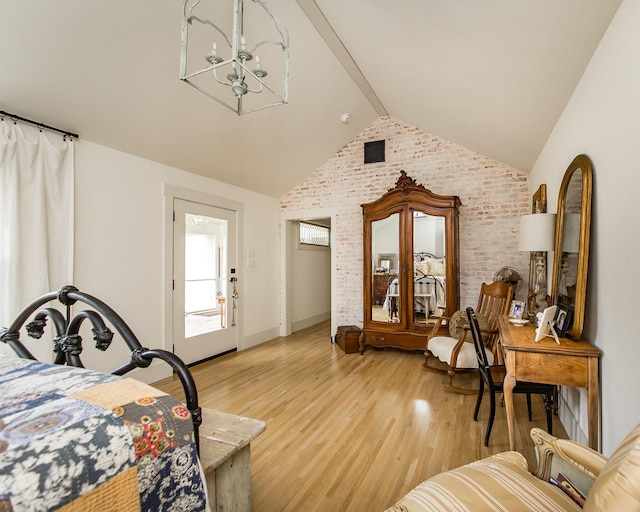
[347, 432]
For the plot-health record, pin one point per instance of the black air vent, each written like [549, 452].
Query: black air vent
[374, 151]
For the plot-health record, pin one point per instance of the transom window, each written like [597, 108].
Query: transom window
[314, 234]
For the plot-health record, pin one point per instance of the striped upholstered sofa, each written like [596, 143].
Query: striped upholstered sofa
[503, 483]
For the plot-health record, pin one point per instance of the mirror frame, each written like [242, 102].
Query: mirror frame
[583, 164]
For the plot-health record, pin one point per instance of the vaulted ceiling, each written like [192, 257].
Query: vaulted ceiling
[490, 75]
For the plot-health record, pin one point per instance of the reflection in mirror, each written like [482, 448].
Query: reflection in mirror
[566, 293]
[429, 266]
[572, 241]
[385, 248]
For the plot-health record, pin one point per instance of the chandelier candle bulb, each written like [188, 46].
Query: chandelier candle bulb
[213, 58]
[258, 71]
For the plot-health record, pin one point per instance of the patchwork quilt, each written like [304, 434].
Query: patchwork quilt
[75, 440]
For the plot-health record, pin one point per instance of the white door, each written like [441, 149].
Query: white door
[204, 275]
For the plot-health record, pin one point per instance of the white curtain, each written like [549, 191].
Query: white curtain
[36, 216]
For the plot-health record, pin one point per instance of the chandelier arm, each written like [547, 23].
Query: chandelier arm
[265, 85]
[268, 41]
[279, 26]
[257, 91]
[207, 22]
[195, 4]
[221, 82]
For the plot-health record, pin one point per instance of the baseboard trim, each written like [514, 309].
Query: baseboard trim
[260, 337]
[298, 325]
[570, 423]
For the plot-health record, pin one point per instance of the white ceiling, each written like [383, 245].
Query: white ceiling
[490, 75]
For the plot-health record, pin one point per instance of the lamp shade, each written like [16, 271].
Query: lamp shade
[537, 232]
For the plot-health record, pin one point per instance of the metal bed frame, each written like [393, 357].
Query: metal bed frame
[67, 344]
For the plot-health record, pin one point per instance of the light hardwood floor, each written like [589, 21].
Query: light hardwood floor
[347, 432]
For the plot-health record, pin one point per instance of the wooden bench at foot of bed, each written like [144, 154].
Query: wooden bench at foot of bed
[225, 455]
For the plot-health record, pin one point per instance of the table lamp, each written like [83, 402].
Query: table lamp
[537, 235]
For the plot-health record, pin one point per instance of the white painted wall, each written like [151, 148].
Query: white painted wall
[120, 247]
[310, 283]
[602, 120]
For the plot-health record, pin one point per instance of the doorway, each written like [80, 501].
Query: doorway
[204, 299]
[303, 281]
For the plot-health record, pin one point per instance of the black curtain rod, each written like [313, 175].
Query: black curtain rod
[35, 123]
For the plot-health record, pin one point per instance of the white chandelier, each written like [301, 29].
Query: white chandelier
[229, 76]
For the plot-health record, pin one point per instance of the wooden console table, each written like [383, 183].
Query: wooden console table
[571, 363]
[225, 454]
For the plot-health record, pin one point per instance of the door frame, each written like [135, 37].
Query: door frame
[287, 244]
[171, 192]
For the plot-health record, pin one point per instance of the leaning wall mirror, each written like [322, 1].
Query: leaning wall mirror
[571, 250]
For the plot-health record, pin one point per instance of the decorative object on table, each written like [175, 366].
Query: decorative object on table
[225, 42]
[511, 276]
[537, 236]
[517, 310]
[563, 319]
[387, 262]
[545, 325]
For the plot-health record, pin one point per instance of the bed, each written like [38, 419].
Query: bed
[429, 288]
[73, 439]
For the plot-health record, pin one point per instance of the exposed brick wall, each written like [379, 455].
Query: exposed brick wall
[493, 197]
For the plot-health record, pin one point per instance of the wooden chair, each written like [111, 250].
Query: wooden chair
[493, 376]
[459, 354]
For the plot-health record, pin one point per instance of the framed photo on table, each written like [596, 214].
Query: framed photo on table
[563, 319]
[546, 326]
[516, 310]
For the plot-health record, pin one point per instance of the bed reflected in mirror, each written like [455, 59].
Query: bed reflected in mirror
[429, 267]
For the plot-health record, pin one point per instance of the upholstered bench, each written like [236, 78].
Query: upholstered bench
[503, 482]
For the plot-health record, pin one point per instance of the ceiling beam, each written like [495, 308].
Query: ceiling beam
[324, 28]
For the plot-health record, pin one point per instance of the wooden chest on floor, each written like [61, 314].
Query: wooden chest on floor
[347, 337]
